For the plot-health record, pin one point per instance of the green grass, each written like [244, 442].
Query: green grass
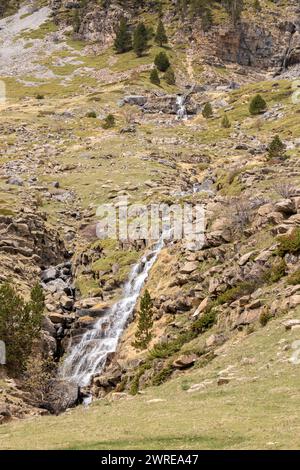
[258, 409]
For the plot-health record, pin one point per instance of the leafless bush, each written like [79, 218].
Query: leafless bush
[240, 209]
[37, 381]
[285, 189]
[129, 113]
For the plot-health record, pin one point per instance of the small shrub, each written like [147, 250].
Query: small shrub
[154, 77]
[234, 293]
[134, 387]
[162, 375]
[91, 114]
[276, 272]
[289, 243]
[257, 105]
[285, 189]
[205, 322]
[225, 123]
[40, 96]
[109, 122]
[207, 111]
[294, 278]
[185, 385]
[265, 317]
[276, 148]
[168, 348]
[162, 62]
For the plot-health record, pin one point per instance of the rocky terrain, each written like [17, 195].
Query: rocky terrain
[227, 316]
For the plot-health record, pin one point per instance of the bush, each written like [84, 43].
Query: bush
[276, 272]
[289, 243]
[109, 122]
[205, 322]
[170, 76]
[276, 148]
[207, 111]
[91, 114]
[40, 96]
[20, 324]
[37, 380]
[265, 317]
[234, 293]
[154, 77]
[225, 123]
[134, 387]
[168, 348]
[162, 62]
[257, 105]
[294, 278]
[162, 375]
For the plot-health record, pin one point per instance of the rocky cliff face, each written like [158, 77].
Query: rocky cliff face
[260, 40]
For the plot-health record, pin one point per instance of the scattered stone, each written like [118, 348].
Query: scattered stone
[185, 361]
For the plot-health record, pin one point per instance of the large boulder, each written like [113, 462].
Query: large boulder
[63, 394]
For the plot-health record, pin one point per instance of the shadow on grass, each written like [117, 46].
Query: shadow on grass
[180, 442]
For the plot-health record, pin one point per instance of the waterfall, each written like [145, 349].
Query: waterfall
[89, 356]
[181, 108]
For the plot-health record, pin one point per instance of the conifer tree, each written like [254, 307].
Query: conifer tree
[162, 61]
[154, 77]
[170, 76]
[140, 39]
[123, 40]
[276, 148]
[257, 105]
[161, 36]
[207, 111]
[143, 334]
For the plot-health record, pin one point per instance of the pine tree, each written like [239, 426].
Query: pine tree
[169, 76]
[276, 148]
[140, 39]
[161, 36]
[154, 77]
[123, 40]
[20, 324]
[225, 122]
[207, 111]
[76, 21]
[234, 8]
[162, 62]
[257, 105]
[143, 334]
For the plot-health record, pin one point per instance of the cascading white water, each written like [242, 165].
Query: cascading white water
[181, 108]
[89, 356]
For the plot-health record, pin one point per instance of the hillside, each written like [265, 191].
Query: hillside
[82, 126]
